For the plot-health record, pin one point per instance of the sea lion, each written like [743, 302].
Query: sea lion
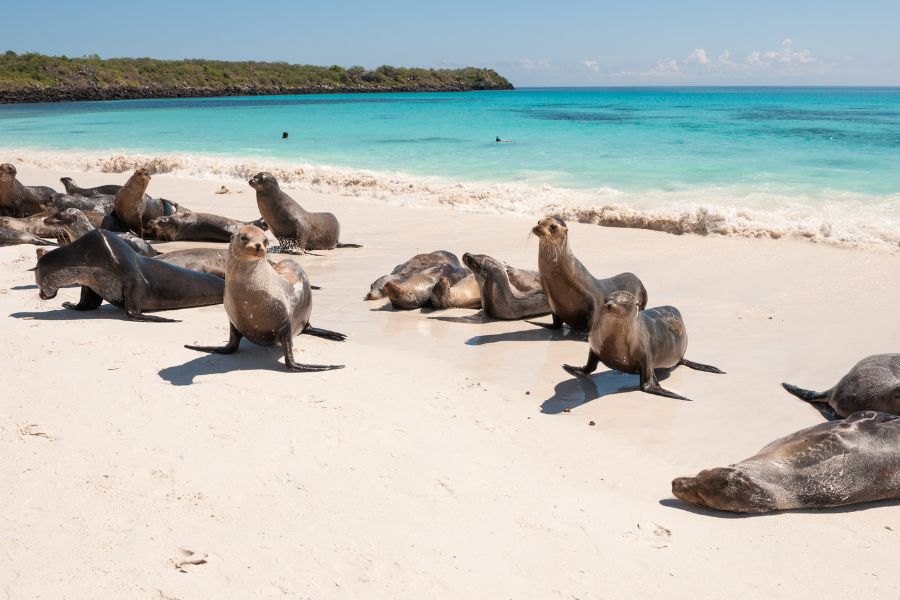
[266, 303]
[11, 237]
[33, 225]
[462, 294]
[505, 292]
[201, 227]
[108, 269]
[872, 384]
[101, 205]
[631, 340]
[104, 190]
[206, 260]
[415, 292]
[836, 463]
[570, 288]
[407, 269]
[133, 209]
[17, 200]
[292, 226]
[75, 224]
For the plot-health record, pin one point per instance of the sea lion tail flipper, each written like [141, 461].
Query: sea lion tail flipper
[342, 245]
[151, 318]
[655, 388]
[808, 395]
[325, 333]
[287, 344]
[700, 366]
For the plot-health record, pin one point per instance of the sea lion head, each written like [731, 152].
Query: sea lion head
[66, 216]
[263, 182]
[141, 178]
[66, 181]
[551, 229]
[165, 228]
[47, 287]
[249, 243]
[481, 264]
[621, 304]
[723, 488]
[7, 173]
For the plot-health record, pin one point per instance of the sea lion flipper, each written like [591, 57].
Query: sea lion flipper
[325, 333]
[234, 340]
[591, 366]
[701, 367]
[556, 324]
[287, 344]
[807, 395]
[343, 245]
[89, 300]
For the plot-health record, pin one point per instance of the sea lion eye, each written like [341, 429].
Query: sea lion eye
[266, 242]
[244, 238]
[553, 228]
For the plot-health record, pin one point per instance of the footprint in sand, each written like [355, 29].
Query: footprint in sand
[656, 535]
[187, 558]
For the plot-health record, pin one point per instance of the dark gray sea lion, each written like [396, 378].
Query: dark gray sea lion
[12, 237]
[407, 269]
[74, 223]
[872, 384]
[506, 292]
[33, 225]
[267, 304]
[102, 190]
[415, 291]
[570, 288]
[17, 200]
[831, 464]
[294, 227]
[206, 260]
[630, 340]
[102, 205]
[108, 269]
[462, 294]
[201, 227]
[133, 209]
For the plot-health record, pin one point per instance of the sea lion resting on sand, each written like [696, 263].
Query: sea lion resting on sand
[407, 269]
[570, 288]
[99, 205]
[294, 227]
[872, 384]
[266, 304]
[11, 237]
[507, 292]
[201, 227]
[75, 224]
[415, 291]
[133, 209]
[630, 340]
[462, 294]
[831, 464]
[17, 200]
[108, 269]
[102, 190]
[33, 225]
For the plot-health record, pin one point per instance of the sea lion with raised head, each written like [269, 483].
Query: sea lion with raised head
[265, 303]
[103, 190]
[12, 237]
[109, 269]
[199, 227]
[133, 209]
[570, 288]
[631, 340]
[294, 227]
[17, 200]
[415, 291]
[462, 294]
[836, 463]
[73, 224]
[407, 269]
[872, 384]
[506, 292]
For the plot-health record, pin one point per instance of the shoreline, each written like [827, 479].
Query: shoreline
[845, 222]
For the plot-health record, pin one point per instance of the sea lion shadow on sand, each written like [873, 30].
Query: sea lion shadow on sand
[477, 319]
[527, 335]
[107, 311]
[710, 512]
[251, 358]
[574, 392]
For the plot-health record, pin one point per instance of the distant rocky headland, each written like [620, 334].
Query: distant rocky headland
[33, 77]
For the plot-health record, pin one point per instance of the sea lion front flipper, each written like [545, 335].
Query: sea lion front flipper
[650, 385]
[234, 340]
[324, 333]
[287, 344]
[557, 322]
[90, 300]
[701, 367]
[343, 245]
[591, 366]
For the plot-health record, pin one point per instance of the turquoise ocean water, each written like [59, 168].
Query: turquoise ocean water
[816, 162]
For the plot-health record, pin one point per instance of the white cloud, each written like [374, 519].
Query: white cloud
[593, 65]
[669, 65]
[698, 56]
[725, 59]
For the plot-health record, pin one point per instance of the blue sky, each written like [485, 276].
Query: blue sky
[641, 42]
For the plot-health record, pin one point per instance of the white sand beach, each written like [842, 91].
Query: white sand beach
[441, 462]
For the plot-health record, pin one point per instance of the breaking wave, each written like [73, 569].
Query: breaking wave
[835, 217]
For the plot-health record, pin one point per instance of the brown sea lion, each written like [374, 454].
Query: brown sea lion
[631, 340]
[200, 227]
[108, 269]
[407, 269]
[33, 225]
[570, 288]
[17, 200]
[133, 209]
[103, 190]
[206, 260]
[836, 463]
[267, 303]
[872, 384]
[506, 292]
[415, 291]
[12, 237]
[74, 224]
[462, 294]
[293, 227]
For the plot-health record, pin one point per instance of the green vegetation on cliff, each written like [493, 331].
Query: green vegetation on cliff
[33, 77]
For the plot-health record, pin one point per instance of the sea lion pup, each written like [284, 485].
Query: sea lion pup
[630, 340]
[12, 237]
[462, 294]
[74, 224]
[836, 463]
[33, 225]
[17, 200]
[104, 190]
[872, 384]
[108, 269]
[206, 260]
[267, 303]
[415, 292]
[199, 227]
[569, 286]
[293, 227]
[506, 292]
[407, 269]
[133, 209]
